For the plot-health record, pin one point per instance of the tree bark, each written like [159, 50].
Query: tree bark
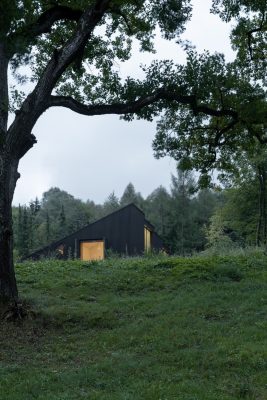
[8, 179]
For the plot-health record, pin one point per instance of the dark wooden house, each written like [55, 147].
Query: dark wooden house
[125, 231]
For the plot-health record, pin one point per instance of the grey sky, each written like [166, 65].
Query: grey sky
[90, 157]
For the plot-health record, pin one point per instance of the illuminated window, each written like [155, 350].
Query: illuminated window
[92, 250]
[147, 235]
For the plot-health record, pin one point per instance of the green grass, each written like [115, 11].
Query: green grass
[145, 328]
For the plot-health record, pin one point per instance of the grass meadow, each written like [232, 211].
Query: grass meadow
[151, 328]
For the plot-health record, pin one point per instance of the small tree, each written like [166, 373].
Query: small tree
[157, 210]
[180, 234]
[217, 238]
[111, 204]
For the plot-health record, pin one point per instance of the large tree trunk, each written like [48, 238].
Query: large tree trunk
[8, 179]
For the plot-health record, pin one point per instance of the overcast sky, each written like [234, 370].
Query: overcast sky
[90, 157]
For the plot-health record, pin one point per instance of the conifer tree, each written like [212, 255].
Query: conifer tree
[131, 196]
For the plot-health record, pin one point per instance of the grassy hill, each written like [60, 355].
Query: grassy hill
[146, 328]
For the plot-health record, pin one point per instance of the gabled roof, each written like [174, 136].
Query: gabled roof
[102, 219]
[58, 242]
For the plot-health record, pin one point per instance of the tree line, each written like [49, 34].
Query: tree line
[188, 218]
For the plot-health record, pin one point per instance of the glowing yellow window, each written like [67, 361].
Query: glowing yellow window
[93, 250]
[147, 235]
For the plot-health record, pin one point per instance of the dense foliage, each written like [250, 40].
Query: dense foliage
[229, 110]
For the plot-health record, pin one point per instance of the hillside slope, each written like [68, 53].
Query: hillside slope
[151, 328]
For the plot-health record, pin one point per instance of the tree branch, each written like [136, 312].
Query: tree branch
[43, 25]
[135, 106]
[101, 109]
[254, 132]
[36, 102]
[54, 14]
[117, 11]
[250, 36]
[221, 132]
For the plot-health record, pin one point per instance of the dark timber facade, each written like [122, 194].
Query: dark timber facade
[125, 231]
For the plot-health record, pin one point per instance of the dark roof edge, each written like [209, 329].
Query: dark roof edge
[149, 223]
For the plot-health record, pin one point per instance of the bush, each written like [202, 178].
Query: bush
[227, 272]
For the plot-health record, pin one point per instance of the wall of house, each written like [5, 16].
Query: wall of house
[133, 241]
[157, 242]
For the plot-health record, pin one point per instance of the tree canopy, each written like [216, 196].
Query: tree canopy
[230, 113]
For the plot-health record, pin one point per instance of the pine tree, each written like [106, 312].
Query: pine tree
[157, 210]
[180, 234]
[131, 196]
[111, 204]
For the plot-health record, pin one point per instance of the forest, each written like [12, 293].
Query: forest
[190, 219]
